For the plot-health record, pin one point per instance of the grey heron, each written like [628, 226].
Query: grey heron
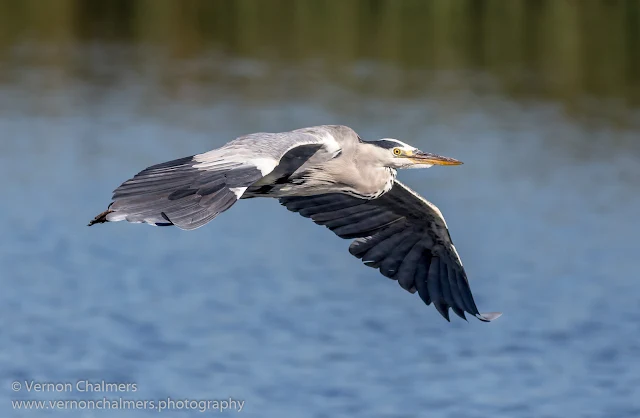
[326, 173]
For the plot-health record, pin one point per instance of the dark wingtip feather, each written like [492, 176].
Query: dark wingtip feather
[443, 308]
[459, 312]
[489, 316]
[372, 263]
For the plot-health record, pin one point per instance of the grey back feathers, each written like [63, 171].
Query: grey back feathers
[326, 173]
[191, 191]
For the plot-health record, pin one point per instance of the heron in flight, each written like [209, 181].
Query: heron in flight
[326, 173]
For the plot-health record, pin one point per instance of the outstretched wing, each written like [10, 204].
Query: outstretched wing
[191, 191]
[402, 235]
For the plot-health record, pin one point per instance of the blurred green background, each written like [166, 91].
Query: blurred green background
[584, 54]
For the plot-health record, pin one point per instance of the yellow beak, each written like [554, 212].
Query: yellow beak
[420, 157]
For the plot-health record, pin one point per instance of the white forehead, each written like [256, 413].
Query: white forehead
[400, 143]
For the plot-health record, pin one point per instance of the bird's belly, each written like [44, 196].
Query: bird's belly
[289, 189]
[315, 181]
[313, 188]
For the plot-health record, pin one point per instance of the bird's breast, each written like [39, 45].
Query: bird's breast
[371, 183]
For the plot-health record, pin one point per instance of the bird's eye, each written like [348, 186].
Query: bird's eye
[397, 151]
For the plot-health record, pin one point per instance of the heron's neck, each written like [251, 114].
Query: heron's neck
[392, 178]
[373, 182]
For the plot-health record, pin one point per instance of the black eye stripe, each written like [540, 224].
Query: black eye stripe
[387, 144]
[384, 144]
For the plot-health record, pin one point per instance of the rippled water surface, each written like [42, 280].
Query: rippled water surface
[264, 306]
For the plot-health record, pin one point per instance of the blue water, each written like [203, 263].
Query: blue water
[263, 306]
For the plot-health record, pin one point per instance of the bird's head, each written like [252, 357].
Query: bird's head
[396, 154]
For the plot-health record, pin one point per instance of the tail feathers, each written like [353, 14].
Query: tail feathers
[115, 216]
[101, 218]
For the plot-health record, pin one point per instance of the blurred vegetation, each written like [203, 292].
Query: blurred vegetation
[561, 49]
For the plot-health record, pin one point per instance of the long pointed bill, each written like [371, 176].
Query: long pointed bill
[428, 158]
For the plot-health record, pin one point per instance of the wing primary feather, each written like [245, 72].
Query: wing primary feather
[465, 293]
[361, 245]
[382, 251]
[455, 292]
[406, 274]
[444, 284]
[459, 312]
[423, 266]
[398, 251]
[368, 225]
[435, 291]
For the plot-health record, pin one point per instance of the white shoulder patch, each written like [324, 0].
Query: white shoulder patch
[238, 191]
[265, 165]
[331, 145]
